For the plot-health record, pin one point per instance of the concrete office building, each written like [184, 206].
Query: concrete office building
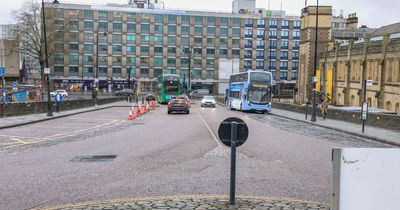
[149, 42]
[9, 54]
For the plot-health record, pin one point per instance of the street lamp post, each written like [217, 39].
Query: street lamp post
[314, 107]
[129, 77]
[49, 111]
[190, 65]
[96, 80]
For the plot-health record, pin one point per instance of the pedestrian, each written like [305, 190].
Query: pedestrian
[324, 108]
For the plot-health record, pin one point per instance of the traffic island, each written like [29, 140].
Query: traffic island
[199, 202]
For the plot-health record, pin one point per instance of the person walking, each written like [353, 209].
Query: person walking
[324, 108]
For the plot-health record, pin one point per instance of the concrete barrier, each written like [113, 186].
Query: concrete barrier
[15, 109]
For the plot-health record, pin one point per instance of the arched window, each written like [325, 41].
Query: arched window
[388, 106]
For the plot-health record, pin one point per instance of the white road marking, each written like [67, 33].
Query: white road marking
[209, 129]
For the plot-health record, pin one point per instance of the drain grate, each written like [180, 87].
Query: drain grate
[94, 158]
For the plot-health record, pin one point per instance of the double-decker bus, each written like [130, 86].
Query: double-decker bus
[167, 86]
[250, 91]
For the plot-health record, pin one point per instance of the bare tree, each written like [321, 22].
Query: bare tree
[29, 32]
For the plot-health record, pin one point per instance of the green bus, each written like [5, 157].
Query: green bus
[167, 86]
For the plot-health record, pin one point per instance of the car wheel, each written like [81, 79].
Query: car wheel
[169, 112]
[187, 112]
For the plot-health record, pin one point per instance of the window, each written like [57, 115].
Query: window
[171, 40]
[296, 33]
[131, 17]
[117, 27]
[145, 39]
[198, 40]
[131, 27]
[145, 18]
[236, 52]
[235, 42]
[158, 50]
[157, 72]
[103, 15]
[211, 21]
[185, 30]
[158, 18]
[285, 23]
[103, 59]
[210, 51]
[144, 60]
[117, 60]
[73, 70]
[285, 34]
[103, 70]
[131, 70]
[144, 49]
[211, 30]
[198, 20]
[74, 58]
[171, 18]
[260, 22]
[272, 43]
[210, 74]
[88, 37]
[88, 59]
[248, 22]
[260, 32]
[59, 70]
[272, 33]
[103, 25]
[88, 14]
[283, 64]
[145, 28]
[198, 30]
[158, 39]
[59, 58]
[74, 47]
[131, 38]
[283, 75]
[88, 48]
[73, 14]
[210, 63]
[171, 61]
[284, 55]
[59, 13]
[171, 29]
[294, 75]
[210, 41]
[236, 22]
[88, 25]
[295, 64]
[236, 32]
[223, 52]
[185, 19]
[248, 32]
[185, 40]
[224, 21]
[73, 36]
[158, 61]
[171, 50]
[224, 32]
[171, 71]
[116, 70]
[223, 42]
[131, 60]
[158, 29]
[285, 44]
[103, 48]
[117, 38]
[59, 23]
[131, 49]
[117, 16]
[296, 24]
[272, 22]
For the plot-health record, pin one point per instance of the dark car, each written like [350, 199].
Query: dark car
[150, 97]
[178, 105]
[124, 92]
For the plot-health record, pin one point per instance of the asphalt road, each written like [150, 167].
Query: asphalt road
[160, 154]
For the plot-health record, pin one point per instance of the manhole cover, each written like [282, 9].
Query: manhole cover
[94, 158]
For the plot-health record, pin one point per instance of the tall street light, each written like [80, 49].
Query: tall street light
[49, 111]
[96, 80]
[314, 107]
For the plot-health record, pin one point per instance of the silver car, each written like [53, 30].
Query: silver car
[208, 101]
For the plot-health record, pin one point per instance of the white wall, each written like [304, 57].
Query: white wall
[369, 179]
[226, 66]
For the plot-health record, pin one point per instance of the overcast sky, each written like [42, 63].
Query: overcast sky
[373, 13]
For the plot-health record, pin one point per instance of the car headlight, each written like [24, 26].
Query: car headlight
[203, 102]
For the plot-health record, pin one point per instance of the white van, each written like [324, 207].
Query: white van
[199, 93]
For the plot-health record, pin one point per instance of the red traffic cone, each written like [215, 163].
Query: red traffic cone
[130, 116]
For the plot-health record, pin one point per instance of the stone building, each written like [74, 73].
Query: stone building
[375, 57]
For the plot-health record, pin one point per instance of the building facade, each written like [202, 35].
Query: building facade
[149, 42]
[9, 54]
[375, 57]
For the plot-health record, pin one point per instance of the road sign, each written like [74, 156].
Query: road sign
[46, 70]
[369, 82]
[15, 86]
[364, 114]
[2, 71]
[224, 131]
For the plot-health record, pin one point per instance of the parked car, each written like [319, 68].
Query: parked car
[208, 101]
[199, 93]
[150, 97]
[63, 93]
[124, 92]
[178, 105]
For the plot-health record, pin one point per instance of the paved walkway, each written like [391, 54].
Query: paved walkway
[14, 121]
[374, 133]
[199, 202]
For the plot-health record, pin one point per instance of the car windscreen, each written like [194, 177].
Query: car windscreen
[208, 97]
